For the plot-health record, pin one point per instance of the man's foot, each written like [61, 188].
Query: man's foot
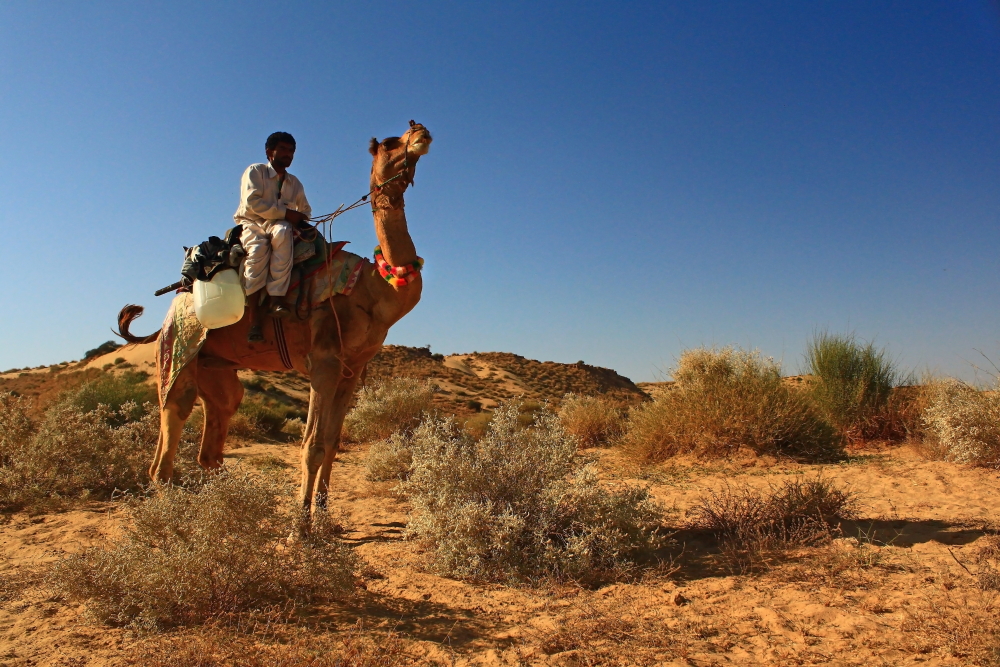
[279, 310]
[255, 335]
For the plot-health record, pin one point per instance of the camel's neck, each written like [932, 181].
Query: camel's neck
[390, 227]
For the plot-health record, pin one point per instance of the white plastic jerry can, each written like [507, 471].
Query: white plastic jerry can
[219, 301]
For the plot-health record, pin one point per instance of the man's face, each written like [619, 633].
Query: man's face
[281, 156]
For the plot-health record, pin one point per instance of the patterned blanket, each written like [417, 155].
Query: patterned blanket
[182, 335]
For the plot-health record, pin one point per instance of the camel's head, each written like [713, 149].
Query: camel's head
[394, 160]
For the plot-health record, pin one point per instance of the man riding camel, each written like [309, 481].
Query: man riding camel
[272, 203]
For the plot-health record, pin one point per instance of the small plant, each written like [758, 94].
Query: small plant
[196, 550]
[855, 385]
[753, 527]
[518, 505]
[963, 423]
[385, 407]
[389, 459]
[727, 400]
[593, 420]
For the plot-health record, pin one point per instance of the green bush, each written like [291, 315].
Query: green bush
[258, 416]
[388, 406]
[191, 551]
[114, 392]
[727, 400]
[855, 384]
[518, 505]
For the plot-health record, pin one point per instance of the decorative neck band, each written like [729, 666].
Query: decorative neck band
[397, 276]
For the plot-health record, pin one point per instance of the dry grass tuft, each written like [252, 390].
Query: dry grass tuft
[726, 400]
[963, 424]
[517, 505]
[270, 644]
[189, 552]
[592, 420]
[756, 527]
[386, 407]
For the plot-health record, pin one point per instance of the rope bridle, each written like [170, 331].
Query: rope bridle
[327, 222]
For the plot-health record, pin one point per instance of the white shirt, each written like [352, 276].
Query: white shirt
[260, 203]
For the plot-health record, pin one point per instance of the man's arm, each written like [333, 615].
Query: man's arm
[301, 203]
[252, 192]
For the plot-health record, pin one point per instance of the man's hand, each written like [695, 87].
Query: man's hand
[294, 217]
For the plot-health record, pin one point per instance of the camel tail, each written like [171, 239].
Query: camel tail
[127, 315]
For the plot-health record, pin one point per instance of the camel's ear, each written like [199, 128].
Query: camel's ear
[412, 123]
[373, 146]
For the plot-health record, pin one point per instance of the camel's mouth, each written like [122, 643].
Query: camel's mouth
[421, 143]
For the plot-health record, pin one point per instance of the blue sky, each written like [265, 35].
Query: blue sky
[612, 182]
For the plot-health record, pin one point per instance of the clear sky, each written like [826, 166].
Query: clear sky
[612, 182]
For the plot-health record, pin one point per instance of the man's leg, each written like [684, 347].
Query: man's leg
[282, 242]
[257, 243]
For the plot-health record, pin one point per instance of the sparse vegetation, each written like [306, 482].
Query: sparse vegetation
[192, 551]
[72, 452]
[963, 424]
[592, 420]
[855, 385]
[517, 505]
[268, 644]
[387, 406]
[724, 401]
[754, 527]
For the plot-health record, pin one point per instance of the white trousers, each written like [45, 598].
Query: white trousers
[269, 256]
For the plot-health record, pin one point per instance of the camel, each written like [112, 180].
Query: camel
[332, 346]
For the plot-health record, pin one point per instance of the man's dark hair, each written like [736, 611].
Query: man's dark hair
[279, 138]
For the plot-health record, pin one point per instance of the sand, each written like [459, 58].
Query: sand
[922, 522]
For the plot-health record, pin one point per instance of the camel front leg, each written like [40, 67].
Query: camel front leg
[325, 377]
[174, 411]
[331, 444]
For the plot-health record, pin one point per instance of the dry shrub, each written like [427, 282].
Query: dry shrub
[271, 645]
[725, 400]
[389, 459]
[518, 505]
[593, 420]
[192, 551]
[478, 424]
[964, 423]
[388, 406]
[71, 453]
[754, 527]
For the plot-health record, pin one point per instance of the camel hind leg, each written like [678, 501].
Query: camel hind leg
[175, 409]
[221, 393]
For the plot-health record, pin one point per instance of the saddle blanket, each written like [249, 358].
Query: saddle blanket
[182, 335]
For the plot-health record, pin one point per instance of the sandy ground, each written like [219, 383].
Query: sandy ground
[884, 593]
